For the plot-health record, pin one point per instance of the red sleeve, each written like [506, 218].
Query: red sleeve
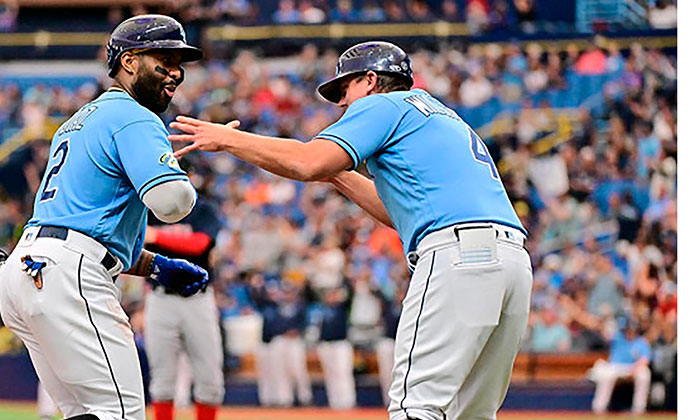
[194, 243]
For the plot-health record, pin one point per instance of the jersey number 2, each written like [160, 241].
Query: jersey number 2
[62, 148]
[481, 153]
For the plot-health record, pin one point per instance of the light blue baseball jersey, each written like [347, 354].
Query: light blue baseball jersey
[102, 161]
[431, 170]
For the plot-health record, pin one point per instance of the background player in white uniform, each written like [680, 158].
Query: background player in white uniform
[467, 305]
[176, 325]
[108, 163]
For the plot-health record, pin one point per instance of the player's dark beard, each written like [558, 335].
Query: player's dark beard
[148, 89]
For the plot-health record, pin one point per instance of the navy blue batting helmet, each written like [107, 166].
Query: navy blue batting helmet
[146, 32]
[378, 56]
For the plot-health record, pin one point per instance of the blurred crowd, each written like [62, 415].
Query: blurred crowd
[600, 204]
[480, 16]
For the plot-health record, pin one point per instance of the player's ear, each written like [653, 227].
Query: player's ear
[129, 62]
[371, 78]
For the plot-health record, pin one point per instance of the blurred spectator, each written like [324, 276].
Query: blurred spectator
[9, 9]
[593, 60]
[269, 371]
[326, 265]
[286, 12]
[550, 334]
[419, 11]
[372, 12]
[236, 10]
[607, 285]
[476, 90]
[394, 11]
[391, 311]
[450, 11]
[345, 12]
[477, 15]
[288, 350]
[630, 355]
[334, 349]
[310, 13]
[365, 309]
[525, 14]
[499, 18]
[663, 15]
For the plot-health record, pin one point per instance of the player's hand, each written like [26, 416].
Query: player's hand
[205, 136]
[180, 276]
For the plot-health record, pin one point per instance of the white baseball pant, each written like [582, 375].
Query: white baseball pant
[76, 332]
[385, 363]
[606, 375]
[175, 325]
[462, 322]
[264, 363]
[290, 372]
[337, 362]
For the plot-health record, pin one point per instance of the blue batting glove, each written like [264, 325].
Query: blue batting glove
[180, 276]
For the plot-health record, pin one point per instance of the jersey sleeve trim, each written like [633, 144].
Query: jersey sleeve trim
[349, 149]
[160, 179]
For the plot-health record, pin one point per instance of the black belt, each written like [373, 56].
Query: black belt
[167, 291]
[109, 261]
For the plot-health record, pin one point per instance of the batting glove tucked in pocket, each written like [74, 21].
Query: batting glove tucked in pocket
[180, 276]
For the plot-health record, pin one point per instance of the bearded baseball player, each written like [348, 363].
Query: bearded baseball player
[109, 163]
[433, 180]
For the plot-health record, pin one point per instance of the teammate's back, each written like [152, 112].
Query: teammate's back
[430, 168]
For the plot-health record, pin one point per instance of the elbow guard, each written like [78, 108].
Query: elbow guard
[171, 201]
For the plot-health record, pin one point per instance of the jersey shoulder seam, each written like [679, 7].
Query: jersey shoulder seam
[132, 123]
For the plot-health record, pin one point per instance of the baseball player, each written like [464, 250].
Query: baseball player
[433, 180]
[109, 163]
[176, 325]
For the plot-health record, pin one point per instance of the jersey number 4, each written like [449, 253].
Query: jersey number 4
[62, 148]
[481, 153]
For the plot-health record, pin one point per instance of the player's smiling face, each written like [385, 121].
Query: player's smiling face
[159, 75]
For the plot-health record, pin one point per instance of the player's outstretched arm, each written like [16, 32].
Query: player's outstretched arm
[362, 191]
[312, 161]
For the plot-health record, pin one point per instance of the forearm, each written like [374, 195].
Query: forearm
[362, 191]
[284, 157]
[142, 267]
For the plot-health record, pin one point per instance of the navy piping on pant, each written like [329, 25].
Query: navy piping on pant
[97, 333]
[415, 335]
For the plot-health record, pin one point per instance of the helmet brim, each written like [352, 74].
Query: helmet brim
[330, 90]
[189, 53]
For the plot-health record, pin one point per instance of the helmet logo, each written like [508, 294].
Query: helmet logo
[395, 67]
[404, 66]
